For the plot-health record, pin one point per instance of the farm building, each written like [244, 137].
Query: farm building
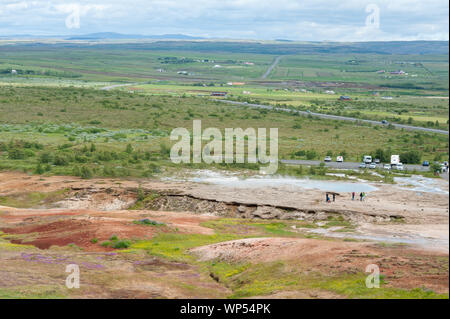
[219, 93]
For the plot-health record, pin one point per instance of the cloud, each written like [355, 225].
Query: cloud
[338, 20]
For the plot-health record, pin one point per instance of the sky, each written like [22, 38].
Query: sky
[301, 20]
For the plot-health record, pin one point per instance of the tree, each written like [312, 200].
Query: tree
[435, 168]
[129, 149]
[39, 169]
[382, 155]
[411, 157]
[86, 172]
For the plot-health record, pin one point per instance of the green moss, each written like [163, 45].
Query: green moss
[175, 246]
[144, 201]
[353, 286]
[32, 199]
[34, 292]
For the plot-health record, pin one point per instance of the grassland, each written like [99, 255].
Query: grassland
[299, 80]
[116, 133]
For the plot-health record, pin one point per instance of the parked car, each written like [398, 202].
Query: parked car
[384, 122]
[387, 166]
[400, 167]
[377, 161]
[327, 159]
[426, 163]
[339, 159]
[362, 165]
[372, 165]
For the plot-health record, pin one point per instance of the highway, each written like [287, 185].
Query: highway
[351, 165]
[274, 64]
[334, 117]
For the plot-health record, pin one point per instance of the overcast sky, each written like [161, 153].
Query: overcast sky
[304, 20]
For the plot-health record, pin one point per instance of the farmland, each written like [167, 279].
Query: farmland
[86, 176]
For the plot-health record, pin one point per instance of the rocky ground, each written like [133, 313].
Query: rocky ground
[214, 226]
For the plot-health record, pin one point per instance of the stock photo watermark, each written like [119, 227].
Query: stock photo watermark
[73, 280]
[373, 280]
[233, 139]
[373, 17]
[73, 19]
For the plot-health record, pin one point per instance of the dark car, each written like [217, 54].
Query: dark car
[384, 122]
[426, 163]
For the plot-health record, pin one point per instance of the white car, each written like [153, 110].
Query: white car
[399, 167]
[372, 165]
[327, 159]
[362, 165]
[387, 166]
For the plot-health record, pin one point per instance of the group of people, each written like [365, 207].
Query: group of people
[362, 195]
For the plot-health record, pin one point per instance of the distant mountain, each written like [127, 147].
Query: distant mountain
[117, 36]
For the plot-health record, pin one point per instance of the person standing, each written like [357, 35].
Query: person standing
[353, 195]
[361, 196]
[334, 197]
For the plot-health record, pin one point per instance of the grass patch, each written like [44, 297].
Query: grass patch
[33, 199]
[176, 246]
[34, 292]
[148, 222]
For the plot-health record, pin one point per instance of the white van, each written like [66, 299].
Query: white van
[395, 159]
[340, 159]
[367, 159]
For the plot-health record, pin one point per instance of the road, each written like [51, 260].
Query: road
[335, 117]
[351, 165]
[110, 87]
[274, 64]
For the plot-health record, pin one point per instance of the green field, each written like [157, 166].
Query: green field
[53, 103]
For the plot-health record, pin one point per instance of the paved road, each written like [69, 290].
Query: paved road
[110, 87]
[274, 64]
[335, 117]
[350, 165]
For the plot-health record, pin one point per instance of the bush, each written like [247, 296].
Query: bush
[60, 160]
[311, 154]
[39, 169]
[122, 244]
[45, 158]
[411, 157]
[105, 244]
[86, 172]
[16, 154]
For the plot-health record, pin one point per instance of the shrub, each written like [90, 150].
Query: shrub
[16, 154]
[122, 244]
[45, 158]
[105, 244]
[86, 172]
[311, 154]
[60, 160]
